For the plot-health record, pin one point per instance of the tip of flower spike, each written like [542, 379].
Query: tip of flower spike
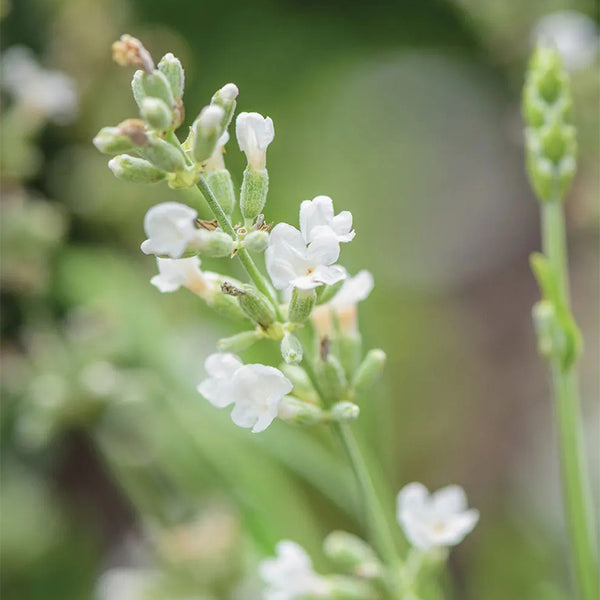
[211, 116]
[130, 51]
[229, 92]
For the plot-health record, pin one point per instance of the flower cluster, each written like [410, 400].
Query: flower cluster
[306, 304]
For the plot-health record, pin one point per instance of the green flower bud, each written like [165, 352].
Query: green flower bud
[253, 303]
[171, 68]
[156, 113]
[253, 195]
[135, 170]
[331, 377]
[303, 387]
[206, 130]
[154, 85]
[222, 187]
[256, 241]
[349, 349]
[215, 244]
[162, 154]
[295, 411]
[550, 337]
[557, 140]
[239, 342]
[301, 305]
[225, 98]
[351, 554]
[226, 306]
[349, 588]
[326, 292]
[111, 140]
[344, 412]
[369, 370]
[291, 348]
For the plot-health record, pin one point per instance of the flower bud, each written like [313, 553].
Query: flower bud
[295, 411]
[153, 85]
[162, 154]
[351, 554]
[550, 338]
[256, 241]
[349, 588]
[221, 186]
[206, 131]
[349, 349]
[369, 370]
[331, 378]
[239, 342]
[130, 51]
[291, 349]
[253, 303]
[171, 68]
[326, 292]
[225, 98]
[303, 387]
[226, 306]
[135, 170]
[253, 195]
[111, 140]
[156, 113]
[344, 412]
[301, 305]
[215, 244]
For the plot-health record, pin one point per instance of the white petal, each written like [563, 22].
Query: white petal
[315, 213]
[457, 527]
[354, 290]
[222, 364]
[324, 248]
[449, 500]
[329, 275]
[219, 392]
[342, 225]
[411, 497]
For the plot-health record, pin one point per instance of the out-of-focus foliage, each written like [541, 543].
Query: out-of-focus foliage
[407, 112]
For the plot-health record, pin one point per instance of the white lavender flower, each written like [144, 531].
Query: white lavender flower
[319, 212]
[170, 229]
[254, 134]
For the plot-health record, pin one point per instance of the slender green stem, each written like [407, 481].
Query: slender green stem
[576, 488]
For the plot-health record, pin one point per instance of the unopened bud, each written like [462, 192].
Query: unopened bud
[332, 378]
[326, 292]
[156, 113]
[369, 370]
[291, 349]
[349, 588]
[221, 186]
[303, 387]
[349, 349]
[135, 170]
[351, 554]
[225, 305]
[111, 140]
[344, 412]
[162, 154]
[301, 305]
[253, 195]
[135, 130]
[207, 131]
[130, 51]
[170, 67]
[550, 338]
[152, 85]
[256, 241]
[298, 412]
[239, 342]
[214, 244]
[225, 98]
[253, 303]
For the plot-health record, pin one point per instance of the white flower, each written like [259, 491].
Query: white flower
[216, 162]
[318, 212]
[256, 390]
[254, 134]
[439, 519]
[343, 305]
[210, 117]
[124, 583]
[290, 575]
[174, 273]
[573, 34]
[52, 94]
[291, 262]
[170, 229]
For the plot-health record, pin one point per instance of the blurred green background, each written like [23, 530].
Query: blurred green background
[115, 472]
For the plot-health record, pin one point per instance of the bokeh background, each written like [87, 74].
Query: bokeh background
[114, 470]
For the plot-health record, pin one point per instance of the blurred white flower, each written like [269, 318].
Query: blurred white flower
[573, 34]
[52, 94]
[254, 134]
[439, 519]
[292, 263]
[256, 390]
[174, 273]
[170, 229]
[319, 212]
[290, 575]
[343, 305]
[124, 584]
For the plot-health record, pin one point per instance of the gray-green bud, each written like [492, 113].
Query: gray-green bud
[214, 244]
[295, 411]
[111, 140]
[291, 349]
[344, 412]
[135, 170]
[326, 292]
[351, 554]
[225, 98]
[170, 67]
[253, 303]
[156, 113]
[303, 387]
[239, 342]
[349, 588]
[550, 337]
[162, 154]
[207, 130]
[221, 186]
[226, 306]
[256, 241]
[301, 305]
[153, 85]
[253, 195]
[369, 370]
[331, 377]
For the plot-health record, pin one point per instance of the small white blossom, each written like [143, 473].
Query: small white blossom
[254, 134]
[438, 519]
[256, 390]
[229, 92]
[292, 263]
[210, 117]
[52, 94]
[174, 273]
[290, 575]
[170, 229]
[124, 583]
[343, 304]
[319, 212]
[573, 34]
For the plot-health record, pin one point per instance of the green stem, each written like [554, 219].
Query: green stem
[576, 488]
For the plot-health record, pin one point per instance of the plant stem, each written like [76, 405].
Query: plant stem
[576, 489]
